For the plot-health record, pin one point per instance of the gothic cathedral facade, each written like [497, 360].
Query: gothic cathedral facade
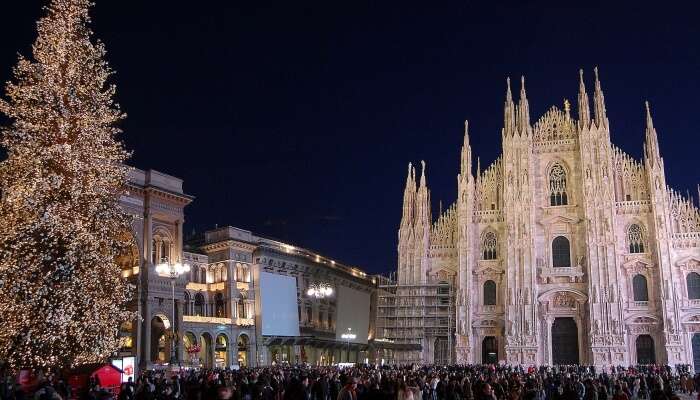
[564, 250]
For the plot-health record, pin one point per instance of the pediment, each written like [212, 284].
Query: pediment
[485, 323]
[642, 320]
[637, 264]
[690, 263]
[488, 269]
[562, 295]
[558, 219]
[693, 319]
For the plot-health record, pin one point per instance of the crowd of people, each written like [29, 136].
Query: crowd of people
[458, 382]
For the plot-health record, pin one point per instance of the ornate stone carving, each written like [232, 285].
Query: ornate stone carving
[563, 300]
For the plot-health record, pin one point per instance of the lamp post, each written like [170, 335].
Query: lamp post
[348, 336]
[172, 271]
[319, 290]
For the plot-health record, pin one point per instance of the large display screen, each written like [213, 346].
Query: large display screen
[279, 314]
[353, 313]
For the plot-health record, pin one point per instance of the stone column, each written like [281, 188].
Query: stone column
[579, 330]
[178, 240]
[548, 342]
[144, 307]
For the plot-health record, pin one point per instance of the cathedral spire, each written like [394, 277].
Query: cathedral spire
[584, 111]
[599, 102]
[409, 196]
[423, 200]
[651, 139]
[410, 178]
[508, 111]
[466, 161]
[523, 108]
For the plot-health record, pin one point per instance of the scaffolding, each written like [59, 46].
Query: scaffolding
[418, 318]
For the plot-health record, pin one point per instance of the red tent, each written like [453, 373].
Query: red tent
[108, 376]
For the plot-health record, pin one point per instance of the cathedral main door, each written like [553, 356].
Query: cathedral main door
[489, 350]
[442, 351]
[696, 351]
[564, 341]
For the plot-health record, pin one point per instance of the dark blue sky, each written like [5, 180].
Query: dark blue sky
[297, 119]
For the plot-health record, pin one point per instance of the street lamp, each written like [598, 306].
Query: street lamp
[172, 271]
[348, 336]
[319, 290]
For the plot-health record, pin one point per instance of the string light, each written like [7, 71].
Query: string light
[62, 295]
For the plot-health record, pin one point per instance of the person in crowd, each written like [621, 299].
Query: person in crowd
[371, 382]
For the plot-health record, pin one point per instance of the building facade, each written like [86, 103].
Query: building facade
[157, 203]
[207, 316]
[564, 250]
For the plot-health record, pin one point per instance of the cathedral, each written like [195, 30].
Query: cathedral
[564, 250]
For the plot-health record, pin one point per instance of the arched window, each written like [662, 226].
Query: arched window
[165, 251]
[489, 293]
[199, 304]
[639, 288]
[635, 238]
[489, 246]
[202, 274]
[194, 271]
[241, 309]
[220, 306]
[693, 283]
[561, 252]
[186, 306]
[557, 186]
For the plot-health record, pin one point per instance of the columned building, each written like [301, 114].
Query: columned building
[215, 318]
[157, 202]
[323, 320]
[563, 250]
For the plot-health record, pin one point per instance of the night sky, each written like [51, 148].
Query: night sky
[296, 120]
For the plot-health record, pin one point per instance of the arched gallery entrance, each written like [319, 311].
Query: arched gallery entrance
[221, 351]
[206, 353]
[160, 339]
[489, 350]
[243, 347]
[189, 341]
[564, 341]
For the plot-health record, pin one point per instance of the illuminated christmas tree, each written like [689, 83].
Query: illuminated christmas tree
[62, 297]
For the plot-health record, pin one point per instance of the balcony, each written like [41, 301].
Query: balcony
[213, 287]
[245, 321]
[489, 309]
[548, 274]
[242, 286]
[207, 320]
[690, 303]
[639, 305]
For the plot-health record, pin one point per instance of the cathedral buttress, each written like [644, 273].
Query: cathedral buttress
[521, 326]
[405, 248]
[605, 302]
[465, 254]
[422, 224]
[662, 246]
